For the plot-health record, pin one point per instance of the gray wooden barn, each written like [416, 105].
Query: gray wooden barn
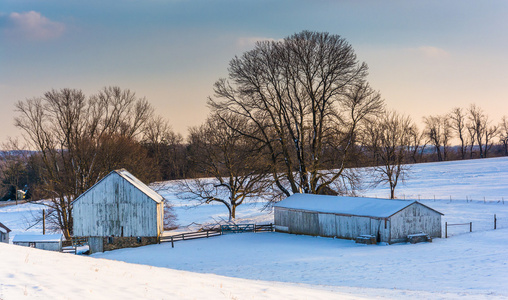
[390, 221]
[51, 242]
[4, 234]
[118, 211]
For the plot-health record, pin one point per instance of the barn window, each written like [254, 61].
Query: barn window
[31, 244]
[110, 240]
[139, 239]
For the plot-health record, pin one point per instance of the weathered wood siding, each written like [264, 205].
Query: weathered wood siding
[298, 222]
[414, 219]
[114, 207]
[330, 225]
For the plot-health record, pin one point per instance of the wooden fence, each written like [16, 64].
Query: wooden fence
[237, 228]
[245, 228]
[459, 224]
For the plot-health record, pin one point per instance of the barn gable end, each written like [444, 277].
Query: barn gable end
[118, 205]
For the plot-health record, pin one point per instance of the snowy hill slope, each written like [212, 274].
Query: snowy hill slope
[465, 266]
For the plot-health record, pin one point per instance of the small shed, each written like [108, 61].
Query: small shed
[4, 233]
[52, 242]
[118, 211]
[390, 221]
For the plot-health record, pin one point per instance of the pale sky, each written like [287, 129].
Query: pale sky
[425, 57]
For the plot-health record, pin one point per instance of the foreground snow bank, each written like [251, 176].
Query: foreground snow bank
[28, 273]
[468, 265]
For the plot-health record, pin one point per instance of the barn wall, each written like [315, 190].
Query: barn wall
[414, 219]
[114, 207]
[330, 225]
[298, 222]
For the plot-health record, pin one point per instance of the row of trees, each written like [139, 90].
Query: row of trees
[471, 127]
[293, 116]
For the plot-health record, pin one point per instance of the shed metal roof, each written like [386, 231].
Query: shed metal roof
[132, 180]
[356, 206]
[30, 238]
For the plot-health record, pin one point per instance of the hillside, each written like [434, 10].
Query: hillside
[281, 266]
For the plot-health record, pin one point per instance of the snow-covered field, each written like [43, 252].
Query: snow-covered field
[281, 266]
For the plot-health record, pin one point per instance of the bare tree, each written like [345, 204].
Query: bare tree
[417, 143]
[394, 140]
[302, 95]
[458, 124]
[479, 124]
[503, 134]
[79, 140]
[234, 170]
[434, 132]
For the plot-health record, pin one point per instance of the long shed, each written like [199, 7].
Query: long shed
[118, 211]
[391, 221]
[51, 242]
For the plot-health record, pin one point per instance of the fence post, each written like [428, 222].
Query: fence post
[446, 230]
[470, 226]
[172, 243]
[495, 221]
[207, 233]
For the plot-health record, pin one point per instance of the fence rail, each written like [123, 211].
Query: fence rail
[457, 224]
[237, 228]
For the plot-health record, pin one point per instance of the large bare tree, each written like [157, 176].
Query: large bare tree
[304, 96]
[80, 139]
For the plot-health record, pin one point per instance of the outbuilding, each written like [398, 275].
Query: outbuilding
[390, 221]
[52, 242]
[118, 211]
[4, 233]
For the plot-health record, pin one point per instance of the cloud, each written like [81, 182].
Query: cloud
[30, 26]
[430, 52]
[249, 42]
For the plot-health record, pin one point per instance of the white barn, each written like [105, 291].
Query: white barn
[121, 208]
[390, 221]
[51, 242]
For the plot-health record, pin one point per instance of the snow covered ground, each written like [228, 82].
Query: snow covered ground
[281, 266]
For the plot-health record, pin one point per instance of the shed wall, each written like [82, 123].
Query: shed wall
[51, 246]
[330, 225]
[114, 207]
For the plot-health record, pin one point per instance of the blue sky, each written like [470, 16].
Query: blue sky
[425, 57]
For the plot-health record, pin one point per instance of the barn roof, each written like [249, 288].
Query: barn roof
[357, 206]
[30, 238]
[132, 180]
[4, 228]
